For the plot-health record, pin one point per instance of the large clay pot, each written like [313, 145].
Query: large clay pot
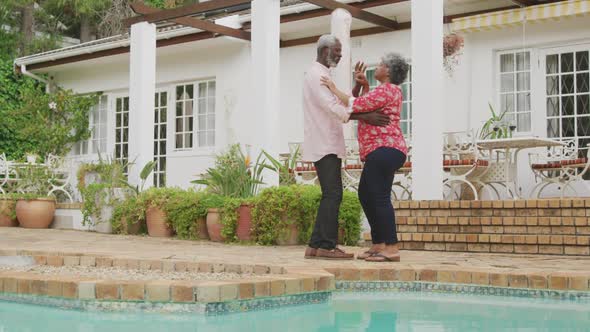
[202, 232]
[289, 236]
[37, 213]
[244, 222]
[6, 208]
[214, 225]
[156, 223]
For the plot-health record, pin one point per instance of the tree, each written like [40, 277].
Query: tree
[85, 12]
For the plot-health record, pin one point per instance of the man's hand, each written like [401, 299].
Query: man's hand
[375, 118]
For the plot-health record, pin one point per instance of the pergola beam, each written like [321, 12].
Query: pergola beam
[356, 13]
[142, 9]
[525, 3]
[188, 10]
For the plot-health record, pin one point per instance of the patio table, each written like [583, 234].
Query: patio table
[504, 171]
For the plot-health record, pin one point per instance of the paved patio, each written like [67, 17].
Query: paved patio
[137, 247]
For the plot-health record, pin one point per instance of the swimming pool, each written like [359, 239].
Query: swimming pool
[386, 311]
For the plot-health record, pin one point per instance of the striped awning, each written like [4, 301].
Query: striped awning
[515, 17]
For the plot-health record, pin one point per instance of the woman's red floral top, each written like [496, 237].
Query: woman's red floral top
[387, 97]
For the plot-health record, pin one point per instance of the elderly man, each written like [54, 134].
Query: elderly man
[324, 145]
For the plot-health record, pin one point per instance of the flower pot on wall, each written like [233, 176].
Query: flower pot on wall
[157, 225]
[36, 213]
[289, 235]
[202, 232]
[244, 222]
[130, 228]
[214, 225]
[6, 210]
[102, 222]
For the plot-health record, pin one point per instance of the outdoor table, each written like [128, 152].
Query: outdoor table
[504, 171]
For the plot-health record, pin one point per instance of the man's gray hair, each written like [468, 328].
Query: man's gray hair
[327, 41]
[398, 67]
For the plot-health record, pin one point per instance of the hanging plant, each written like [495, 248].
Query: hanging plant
[452, 50]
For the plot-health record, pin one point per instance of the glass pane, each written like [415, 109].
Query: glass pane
[155, 132]
[163, 131]
[163, 99]
[179, 125]
[118, 136]
[125, 150]
[567, 83]
[188, 140]
[103, 145]
[507, 83]
[567, 62]
[163, 148]
[189, 91]
[523, 81]
[506, 63]
[179, 91]
[162, 163]
[507, 103]
[156, 100]
[523, 122]
[126, 104]
[551, 64]
[523, 60]
[211, 89]
[178, 109]
[118, 118]
[211, 122]
[371, 77]
[103, 131]
[583, 106]
[553, 106]
[179, 144]
[202, 122]
[118, 151]
[211, 105]
[567, 105]
[552, 85]
[553, 128]
[523, 102]
[125, 135]
[202, 106]
[202, 90]
[582, 82]
[211, 138]
[583, 126]
[567, 127]
[155, 148]
[162, 180]
[202, 138]
[188, 107]
[188, 125]
[404, 127]
[405, 92]
[163, 115]
[126, 119]
[156, 117]
[582, 60]
[119, 105]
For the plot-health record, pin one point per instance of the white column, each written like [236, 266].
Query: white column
[142, 87]
[341, 22]
[427, 99]
[266, 78]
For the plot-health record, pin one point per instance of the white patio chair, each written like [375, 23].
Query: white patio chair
[560, 165]
[61, 173]
[462, 162]
[304, 171]
[4, 173]
[403, 179]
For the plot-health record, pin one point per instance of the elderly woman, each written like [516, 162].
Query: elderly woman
[383, 150]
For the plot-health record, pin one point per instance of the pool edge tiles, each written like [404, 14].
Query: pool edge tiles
[465, 289]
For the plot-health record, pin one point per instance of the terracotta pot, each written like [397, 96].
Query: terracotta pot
[131, 229]
[214, 225]
[202, 232]
[244, 222]
[6, 207]
[37, 213]
[289, 236]
[156, 223]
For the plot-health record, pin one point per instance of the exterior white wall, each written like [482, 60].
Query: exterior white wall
[467, 92]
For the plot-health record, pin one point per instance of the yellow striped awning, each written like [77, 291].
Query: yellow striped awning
[515, 17]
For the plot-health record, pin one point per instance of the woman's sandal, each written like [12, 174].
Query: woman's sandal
[366, 254]
[379, 257]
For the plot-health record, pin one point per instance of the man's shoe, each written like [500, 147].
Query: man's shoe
[335, 253]
[310, 253]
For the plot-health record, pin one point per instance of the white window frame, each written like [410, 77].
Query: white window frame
[95, 140]
[122, 127]
[158, 140]
[196, 118]
[531, 91]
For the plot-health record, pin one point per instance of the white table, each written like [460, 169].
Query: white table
[504, 171]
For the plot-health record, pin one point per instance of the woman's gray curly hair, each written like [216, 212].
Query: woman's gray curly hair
[398, 67]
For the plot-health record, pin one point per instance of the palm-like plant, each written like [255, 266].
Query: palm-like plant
[495, 127]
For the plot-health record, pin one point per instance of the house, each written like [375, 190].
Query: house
[527, 57]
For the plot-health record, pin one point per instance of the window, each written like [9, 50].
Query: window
[568, 96]
[406, 112]
[122, 130]
[203, 95]
[97, 124]
[160, 113]
[515, 89]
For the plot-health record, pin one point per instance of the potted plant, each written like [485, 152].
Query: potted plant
[8, 211]
[155, 201]
[452, 49]
[34, 208]
[213, 204]
[496, 126]
[187, 211]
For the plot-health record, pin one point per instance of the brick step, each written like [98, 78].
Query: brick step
[515, 230]
[494, 221]
[571, 240]
[543, 249]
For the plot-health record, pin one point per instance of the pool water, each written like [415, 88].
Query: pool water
[345, 312]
